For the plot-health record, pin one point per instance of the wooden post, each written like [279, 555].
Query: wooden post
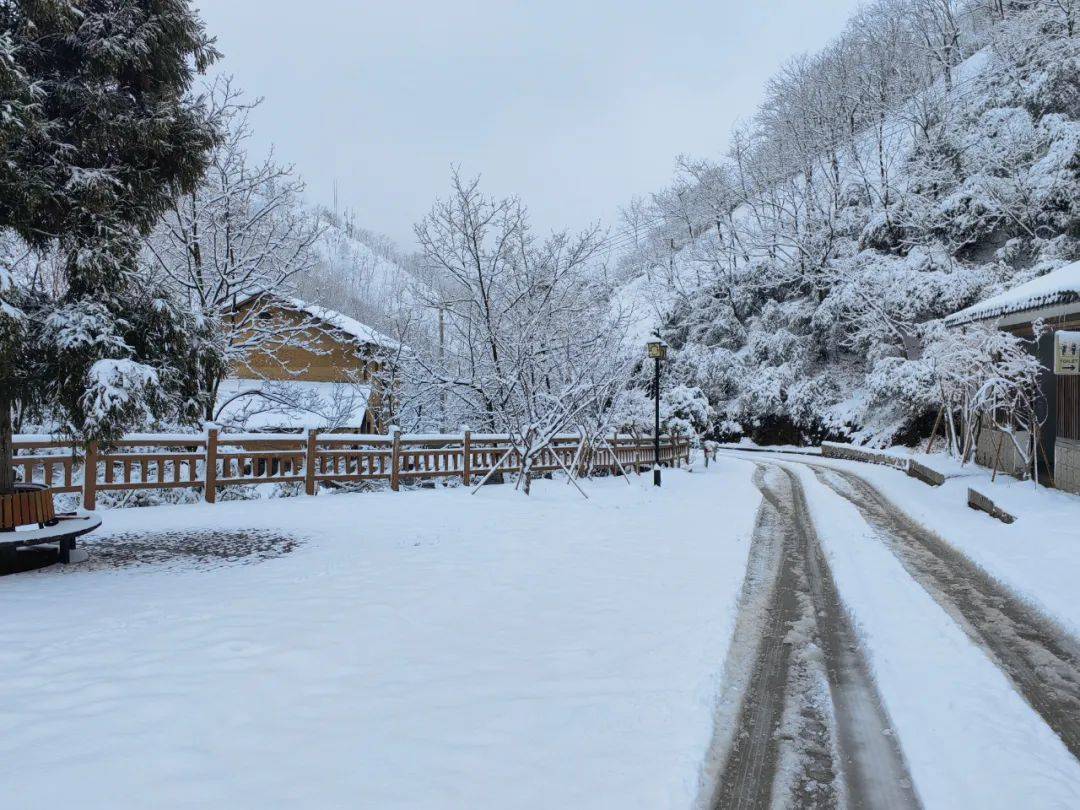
[89, 487]
[997, 455]
[309, 462]
[210, 486]
[395, 462]
[933, 433]
[1049, 469]
[466, 461]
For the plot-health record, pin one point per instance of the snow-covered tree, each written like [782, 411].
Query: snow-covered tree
[530, 342]
[96, 93]
[984, 376]
[240, 233]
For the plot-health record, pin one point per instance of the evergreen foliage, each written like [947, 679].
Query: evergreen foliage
[98, 134]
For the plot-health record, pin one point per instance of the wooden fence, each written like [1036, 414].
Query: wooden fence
[214, 460]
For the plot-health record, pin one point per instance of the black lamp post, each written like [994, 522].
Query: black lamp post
[657, 351]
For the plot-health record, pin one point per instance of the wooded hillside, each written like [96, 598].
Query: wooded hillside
[928, 158]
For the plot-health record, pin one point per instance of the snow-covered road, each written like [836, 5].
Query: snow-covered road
[980, 688]
[697, 645]
[806, 727]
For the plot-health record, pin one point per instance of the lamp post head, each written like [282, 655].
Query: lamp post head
[657, 349]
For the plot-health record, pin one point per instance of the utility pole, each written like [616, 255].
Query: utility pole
[442, 362]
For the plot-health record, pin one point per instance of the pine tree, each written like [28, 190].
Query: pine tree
[98, 133]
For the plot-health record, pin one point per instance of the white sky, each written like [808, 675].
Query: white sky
[574, 106]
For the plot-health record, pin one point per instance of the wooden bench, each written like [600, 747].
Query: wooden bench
[32, 505]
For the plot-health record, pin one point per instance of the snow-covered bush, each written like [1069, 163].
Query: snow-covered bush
[120, 392]
[983, 375]
[685, 410]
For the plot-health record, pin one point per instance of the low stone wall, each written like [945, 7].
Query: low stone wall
[910, 466]
[849, 452]
[1011, 462]
[1067, 465]
[927, 475]
[976, 500]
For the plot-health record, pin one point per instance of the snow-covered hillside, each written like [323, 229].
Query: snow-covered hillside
[802, 279]
[363, 275]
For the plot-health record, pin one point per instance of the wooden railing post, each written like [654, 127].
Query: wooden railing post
[466, 463]
[210, 486]
[310, 457]
[395, 462]
[89, 488]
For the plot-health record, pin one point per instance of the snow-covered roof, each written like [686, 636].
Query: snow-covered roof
[350, 326]
[1061, 286]
[262, 404]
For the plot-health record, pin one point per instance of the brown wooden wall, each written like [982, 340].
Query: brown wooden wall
[325, 355]
[1061, 393]
[325, 358]
[1068, 407]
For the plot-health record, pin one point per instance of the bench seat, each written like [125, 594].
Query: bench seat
[63, 532]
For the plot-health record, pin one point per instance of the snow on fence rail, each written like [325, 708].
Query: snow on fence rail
[213, 460]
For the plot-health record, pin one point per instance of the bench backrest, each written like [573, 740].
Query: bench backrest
[26, 507]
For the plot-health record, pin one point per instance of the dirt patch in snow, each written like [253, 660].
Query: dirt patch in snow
[186, 549]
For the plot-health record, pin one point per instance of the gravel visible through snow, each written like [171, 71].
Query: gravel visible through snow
[809, 729]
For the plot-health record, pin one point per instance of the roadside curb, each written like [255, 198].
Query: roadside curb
[910, 466]
[928, 475]
[976, 500]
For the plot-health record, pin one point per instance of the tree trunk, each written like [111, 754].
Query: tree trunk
[7, 452]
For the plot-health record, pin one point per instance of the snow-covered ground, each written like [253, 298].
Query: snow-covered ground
[438, 649]
[425, 649]
[1037, 557]
[969, 737]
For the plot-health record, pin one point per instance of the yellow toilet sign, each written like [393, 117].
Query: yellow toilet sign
[1067, 352]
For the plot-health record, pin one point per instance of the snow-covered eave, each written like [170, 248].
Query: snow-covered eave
[360, 332]
[1044, 306]
[1058, 290]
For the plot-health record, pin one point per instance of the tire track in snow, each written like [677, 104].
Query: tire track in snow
[809, 729]
[1039, 658]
